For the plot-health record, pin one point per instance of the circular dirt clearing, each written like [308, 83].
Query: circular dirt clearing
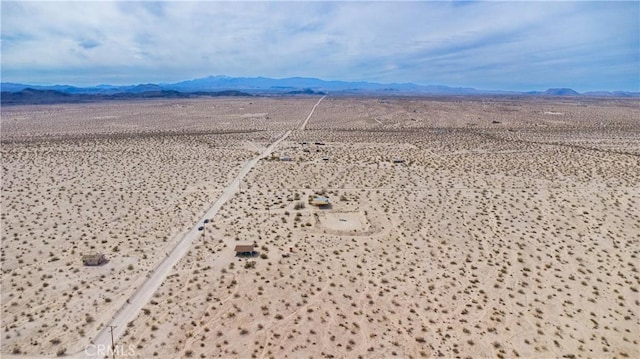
[347, 222]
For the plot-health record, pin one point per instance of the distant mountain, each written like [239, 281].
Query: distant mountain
[571, 92]
[561, 92]
[264, 86]
[140, 88]
[33, 96]
[41, 97]
[611, 94]
[305, 84]
[258, 85]
[305, 92]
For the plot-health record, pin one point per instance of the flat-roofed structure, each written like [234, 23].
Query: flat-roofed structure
[94, 259]
[320, 201]
[245, 249]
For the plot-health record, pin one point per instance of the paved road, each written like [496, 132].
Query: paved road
[144, 293]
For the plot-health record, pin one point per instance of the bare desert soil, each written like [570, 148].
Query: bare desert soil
[509, 228]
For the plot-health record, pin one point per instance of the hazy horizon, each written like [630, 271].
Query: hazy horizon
[381, 83]
[513, 46]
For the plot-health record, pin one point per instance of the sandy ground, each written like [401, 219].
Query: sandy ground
[511, 229]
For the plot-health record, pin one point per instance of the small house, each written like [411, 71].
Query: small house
[95, 259]
[245, 249]
[320, 201]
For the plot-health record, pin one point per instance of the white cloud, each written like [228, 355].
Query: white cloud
[481, 44]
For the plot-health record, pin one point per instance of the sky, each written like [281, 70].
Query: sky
[507, 45]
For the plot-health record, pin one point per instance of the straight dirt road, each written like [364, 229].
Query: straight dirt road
[304, 124]
[144, 293]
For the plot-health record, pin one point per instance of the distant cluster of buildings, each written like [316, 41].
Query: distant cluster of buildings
[287, 158]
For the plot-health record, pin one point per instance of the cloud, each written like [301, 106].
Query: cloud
[88, 44]
[509, 45]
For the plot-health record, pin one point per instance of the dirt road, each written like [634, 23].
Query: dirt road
[304, 124]
[143, 294]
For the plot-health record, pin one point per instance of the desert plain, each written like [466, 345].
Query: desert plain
[471, 227]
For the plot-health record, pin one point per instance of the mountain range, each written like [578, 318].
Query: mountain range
[15, 93]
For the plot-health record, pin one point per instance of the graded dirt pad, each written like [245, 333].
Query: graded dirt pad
[343, 222]
[511, 227]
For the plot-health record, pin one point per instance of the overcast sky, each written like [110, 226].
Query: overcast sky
[487, 45]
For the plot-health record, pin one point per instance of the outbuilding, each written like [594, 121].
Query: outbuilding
[94, 259]
[320, 201]
[245, 249]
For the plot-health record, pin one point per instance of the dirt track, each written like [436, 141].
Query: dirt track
[135, 304]
[514, 238]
